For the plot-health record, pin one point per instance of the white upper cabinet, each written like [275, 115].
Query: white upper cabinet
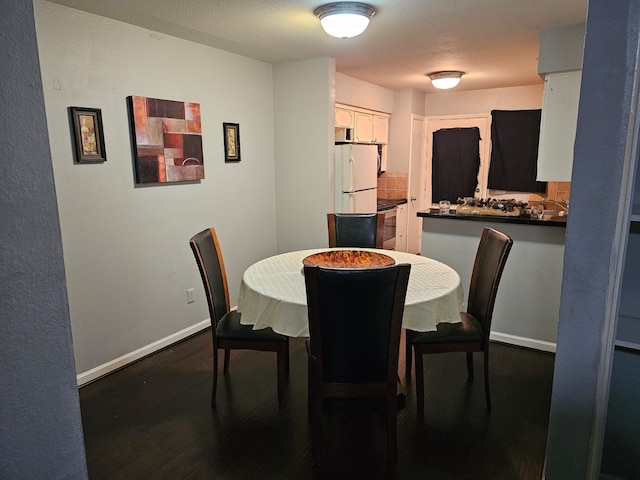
[344, 118]
[558, 126]
[364, 128]
[381, 129]
[368, 126]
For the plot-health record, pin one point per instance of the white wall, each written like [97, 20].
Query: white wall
[127, 259]
[483, 101]
[405, 104]
[528, 300]
[358, 93]
[304, 126]
[561, 48]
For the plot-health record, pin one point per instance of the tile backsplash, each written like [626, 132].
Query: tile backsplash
[393, 186]
[556, 191]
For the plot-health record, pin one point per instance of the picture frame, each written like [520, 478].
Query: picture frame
[88, 136]
[231, 142]
[166, 140]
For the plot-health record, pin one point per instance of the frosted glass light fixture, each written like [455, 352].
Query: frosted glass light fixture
[345, 19]
[445, 80]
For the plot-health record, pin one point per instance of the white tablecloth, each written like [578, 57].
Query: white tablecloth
[272, 293]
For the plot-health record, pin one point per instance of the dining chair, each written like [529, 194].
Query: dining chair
[364, 230]
[471, 334]
[227, 332]
[355, 318]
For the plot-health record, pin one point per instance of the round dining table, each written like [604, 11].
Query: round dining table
[273, 293]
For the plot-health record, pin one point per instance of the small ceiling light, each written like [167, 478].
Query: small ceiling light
[445, 80]
[345, 19]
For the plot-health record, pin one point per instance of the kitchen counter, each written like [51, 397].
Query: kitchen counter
[527, 306]
[547, 221]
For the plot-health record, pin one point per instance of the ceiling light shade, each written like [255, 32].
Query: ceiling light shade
[345, 19]
[445, 80]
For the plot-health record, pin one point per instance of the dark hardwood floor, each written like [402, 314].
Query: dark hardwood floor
[153, 420]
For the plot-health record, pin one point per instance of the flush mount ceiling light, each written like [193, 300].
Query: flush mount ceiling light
[445, 80]
[345, 19]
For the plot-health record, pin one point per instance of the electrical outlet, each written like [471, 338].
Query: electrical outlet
[190, 298]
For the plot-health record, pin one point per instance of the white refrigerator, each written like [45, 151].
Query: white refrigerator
[356, 172]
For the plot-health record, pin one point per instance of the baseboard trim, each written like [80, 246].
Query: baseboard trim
[523, 342]
[124, 360]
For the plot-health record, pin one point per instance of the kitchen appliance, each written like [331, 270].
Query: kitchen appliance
[389, 237]
[344, 134]
[356, 178]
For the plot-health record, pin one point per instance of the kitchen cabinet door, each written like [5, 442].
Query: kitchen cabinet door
[401, 227]
[344, 118]
[558, 126]
[363, 127]
[381, 129]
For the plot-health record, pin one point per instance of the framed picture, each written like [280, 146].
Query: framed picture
[88, 139]
[231, 142]
[166, 137]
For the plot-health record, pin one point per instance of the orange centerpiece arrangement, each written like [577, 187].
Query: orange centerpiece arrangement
[348, 259]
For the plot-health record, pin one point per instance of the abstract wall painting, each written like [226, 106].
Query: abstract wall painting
[167, 140]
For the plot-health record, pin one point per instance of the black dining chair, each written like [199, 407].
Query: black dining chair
[226, 331]
[472, 333]
[355, 318]
[365, 230]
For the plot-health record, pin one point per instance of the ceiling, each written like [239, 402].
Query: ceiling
[494, 41]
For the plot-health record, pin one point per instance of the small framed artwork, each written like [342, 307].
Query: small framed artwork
[88, 139]
[231, 142]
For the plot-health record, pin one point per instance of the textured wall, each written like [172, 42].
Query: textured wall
[40, 428]
[593, 237]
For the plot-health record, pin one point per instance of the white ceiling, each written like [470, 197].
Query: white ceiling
[494, 41]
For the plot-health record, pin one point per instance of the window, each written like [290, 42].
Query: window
[483, 123]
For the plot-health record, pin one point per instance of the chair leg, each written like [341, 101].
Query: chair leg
[470, 364]
[215, 376]
[486, 379]
[392, 427]
[310, 392]
[286, 364]
[282, 367]
[419, 384]
[409, 336]
[317, 408]
[227, 352]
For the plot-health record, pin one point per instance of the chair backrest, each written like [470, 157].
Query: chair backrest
[491, 257]
[364, 230]
[355, 318]
[214, 278]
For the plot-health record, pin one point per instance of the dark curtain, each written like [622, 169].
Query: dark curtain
[456, 161]
[514, 151]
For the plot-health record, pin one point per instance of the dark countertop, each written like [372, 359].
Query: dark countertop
[389, 204]
[523, 220]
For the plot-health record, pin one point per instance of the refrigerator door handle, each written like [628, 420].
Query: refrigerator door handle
[352, 174]
[351, 206]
